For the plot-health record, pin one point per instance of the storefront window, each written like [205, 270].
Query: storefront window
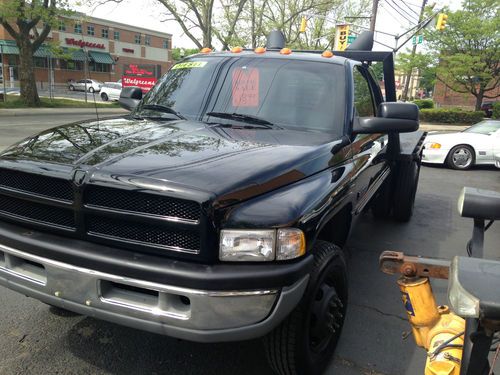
[98, 67]
[137, 38]
[105, 33]
[116, 35]
[78, 28]
[71, 65]
[147, 40]
[90, 30]
[40, 62]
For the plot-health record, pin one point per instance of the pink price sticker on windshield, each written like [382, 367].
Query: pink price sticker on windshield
[245, 87]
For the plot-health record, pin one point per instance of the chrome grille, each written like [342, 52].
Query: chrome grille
[149, 235]
[142, 203]
[41, 213]
[50, 187]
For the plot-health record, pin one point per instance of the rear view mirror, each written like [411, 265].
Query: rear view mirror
[392, 118]
[130, 97]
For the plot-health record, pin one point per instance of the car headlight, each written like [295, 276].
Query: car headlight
[462, 302]
[264, 245]
[433, 145]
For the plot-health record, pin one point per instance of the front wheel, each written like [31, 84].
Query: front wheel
[461, 157]
[304, 343]
[104, 97]
[91, 90]
[71, 88]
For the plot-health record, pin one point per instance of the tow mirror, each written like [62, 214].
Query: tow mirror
[392, 118]
[130, 97]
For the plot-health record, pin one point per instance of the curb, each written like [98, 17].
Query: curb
[60, 111]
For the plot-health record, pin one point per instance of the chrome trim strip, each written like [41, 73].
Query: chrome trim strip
[372, 190]
[135, 282]
[22, 276]
[28, 196]
[37, 222]
[148, 244]
[141, 214]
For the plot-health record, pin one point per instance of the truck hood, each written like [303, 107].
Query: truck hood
[231, 163]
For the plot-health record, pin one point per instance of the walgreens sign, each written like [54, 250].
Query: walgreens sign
[145, 83]
[80, 43]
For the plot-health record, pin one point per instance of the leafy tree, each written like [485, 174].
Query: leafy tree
[424, 62]
[22, 19]
[470, 49]
[180, 53]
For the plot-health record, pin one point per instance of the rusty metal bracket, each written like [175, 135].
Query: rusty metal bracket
[393, 262]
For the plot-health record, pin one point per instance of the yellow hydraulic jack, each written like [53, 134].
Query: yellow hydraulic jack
[434, 328]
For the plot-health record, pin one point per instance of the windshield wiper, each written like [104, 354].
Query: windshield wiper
[163, 108]
[249, 119]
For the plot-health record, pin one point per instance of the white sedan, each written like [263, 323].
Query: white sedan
[477, 145]
[111, 91]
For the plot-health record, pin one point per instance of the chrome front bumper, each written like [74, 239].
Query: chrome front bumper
[191, 314]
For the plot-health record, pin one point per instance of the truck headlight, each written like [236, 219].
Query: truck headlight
[462, 302]
[239, 245]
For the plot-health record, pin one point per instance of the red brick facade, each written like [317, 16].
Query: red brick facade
[132, 45]
[446, 97]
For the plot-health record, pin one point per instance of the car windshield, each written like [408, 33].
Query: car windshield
[484, 127]
[287, 93]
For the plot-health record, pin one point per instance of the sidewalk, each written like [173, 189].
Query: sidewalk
[60, 111]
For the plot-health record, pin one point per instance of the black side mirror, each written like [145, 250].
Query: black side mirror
[130, 97]
[392, 118]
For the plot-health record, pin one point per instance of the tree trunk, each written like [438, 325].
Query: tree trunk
[29, 93]
[479, 100]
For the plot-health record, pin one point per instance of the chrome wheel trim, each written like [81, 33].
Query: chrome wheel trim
[462, 157]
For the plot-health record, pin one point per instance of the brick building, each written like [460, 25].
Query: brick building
[110, 47]
[446, 97]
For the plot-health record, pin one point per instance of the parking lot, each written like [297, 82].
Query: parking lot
[35, 339]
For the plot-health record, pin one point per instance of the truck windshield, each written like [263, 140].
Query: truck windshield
[288, 93]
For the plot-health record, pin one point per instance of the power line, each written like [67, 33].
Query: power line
[410, 8]
[398, 19]
[400, 13]
[404, 10]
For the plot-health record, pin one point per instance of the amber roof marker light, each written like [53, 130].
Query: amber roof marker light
[206, 50]
[327, 54]
[285, 51]
[236, 49]
[259, 50]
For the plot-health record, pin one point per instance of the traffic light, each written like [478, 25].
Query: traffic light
[441, 22]
[303, 25]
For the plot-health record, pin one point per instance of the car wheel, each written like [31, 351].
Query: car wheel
[405, 190]
[104, 97]
[461, 157]
[91, 89]
[71, 88]
[304, 343]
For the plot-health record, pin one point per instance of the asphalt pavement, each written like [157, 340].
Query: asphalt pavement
[36, 339]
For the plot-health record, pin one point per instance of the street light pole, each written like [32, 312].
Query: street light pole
[3, 74]
[413, 52]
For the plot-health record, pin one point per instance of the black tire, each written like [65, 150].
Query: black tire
[461, 157]
[71, 88]
[405, 190]
[305, 341]
[381, 206]
[91, 90]
[104, 97]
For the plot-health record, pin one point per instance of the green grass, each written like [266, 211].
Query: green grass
[14, 101]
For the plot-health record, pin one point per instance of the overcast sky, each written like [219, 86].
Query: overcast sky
[148, 14]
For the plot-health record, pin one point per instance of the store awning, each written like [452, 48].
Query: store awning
[9, 47]
[101, 57]
[73, 54]
[43, 51]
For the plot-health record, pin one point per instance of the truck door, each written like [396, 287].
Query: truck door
[367, 149]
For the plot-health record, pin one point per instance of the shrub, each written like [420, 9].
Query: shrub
[424, 103]
[451, 116]
[496, 110]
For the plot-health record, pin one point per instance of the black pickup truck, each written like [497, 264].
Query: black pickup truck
[217, 210]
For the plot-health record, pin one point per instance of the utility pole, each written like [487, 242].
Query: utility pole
[373, 18]
[3, 74]
[413, 52]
